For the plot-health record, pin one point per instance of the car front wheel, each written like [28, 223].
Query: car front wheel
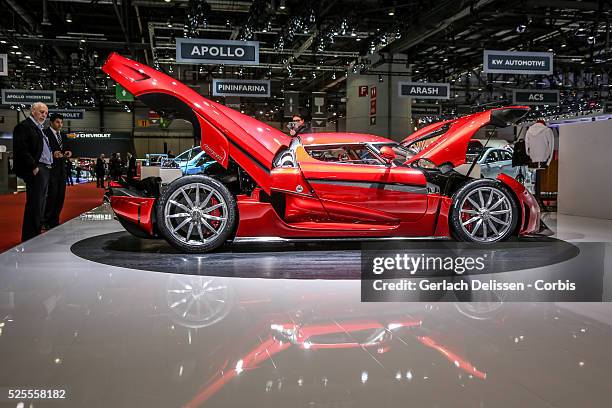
[483, 211]
[196, 214]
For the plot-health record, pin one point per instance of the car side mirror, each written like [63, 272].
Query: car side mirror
[387, 153]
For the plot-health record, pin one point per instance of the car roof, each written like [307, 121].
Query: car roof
[328, 138]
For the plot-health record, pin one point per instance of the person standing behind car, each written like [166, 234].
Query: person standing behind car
[100, 171]
[131, 166]
[33, 160]
[298, 126]
[57, 177]
[69, 166]
[113, 167]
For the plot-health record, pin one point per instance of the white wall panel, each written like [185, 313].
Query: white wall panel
[585, 167]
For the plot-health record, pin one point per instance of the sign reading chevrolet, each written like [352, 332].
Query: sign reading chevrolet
[204, 51]
[517, 62]
[535, 97]
[239, 87]
[69, 113]
[424, 90]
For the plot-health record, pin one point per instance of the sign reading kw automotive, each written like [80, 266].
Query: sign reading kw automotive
[3, 65]
[424, 90]
[69, 114]
[204, 51]
[241, 87]
[535, 97]
[27, 96]
[517, 62]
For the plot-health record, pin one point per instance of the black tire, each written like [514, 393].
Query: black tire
[481, 220]
[183, 214]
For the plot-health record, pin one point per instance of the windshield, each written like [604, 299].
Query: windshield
[189, 154]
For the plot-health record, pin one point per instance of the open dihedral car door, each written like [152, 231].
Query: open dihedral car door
[447, 142]
[223, 132]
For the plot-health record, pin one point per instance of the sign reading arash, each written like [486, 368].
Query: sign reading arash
[241, 87]
[424, 90]
[204, 51]
[517, 62]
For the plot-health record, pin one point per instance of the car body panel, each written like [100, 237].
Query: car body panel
[451, 146]
[224, 132]
[530, 209]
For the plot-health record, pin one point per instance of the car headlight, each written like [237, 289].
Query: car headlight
[426, 164]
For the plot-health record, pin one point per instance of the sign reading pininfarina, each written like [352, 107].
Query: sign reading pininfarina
[240, 87]
[69, 114]
[3, 65]
[204, 51]
[424, 90]
[535, 97]
[27, 96]
[518, 62]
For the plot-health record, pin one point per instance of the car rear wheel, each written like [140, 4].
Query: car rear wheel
[483, 211]
[196, 214]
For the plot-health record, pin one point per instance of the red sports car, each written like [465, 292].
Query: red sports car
[320, 185]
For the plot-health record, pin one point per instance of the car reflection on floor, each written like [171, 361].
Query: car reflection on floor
[208, 300]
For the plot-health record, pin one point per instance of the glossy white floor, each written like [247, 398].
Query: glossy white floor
[119, 337]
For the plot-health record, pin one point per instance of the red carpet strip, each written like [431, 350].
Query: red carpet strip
[79, 198]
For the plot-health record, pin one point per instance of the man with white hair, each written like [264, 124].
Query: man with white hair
[33, 160]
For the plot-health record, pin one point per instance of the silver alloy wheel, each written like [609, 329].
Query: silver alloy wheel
[485, 214]
[188, 217]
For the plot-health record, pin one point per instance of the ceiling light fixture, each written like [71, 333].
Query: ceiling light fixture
[392, 12]
[68, 18]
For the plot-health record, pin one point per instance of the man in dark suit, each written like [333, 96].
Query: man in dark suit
[33, 160]
[57, 177]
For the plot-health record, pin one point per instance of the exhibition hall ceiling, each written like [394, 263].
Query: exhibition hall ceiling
[308, 45]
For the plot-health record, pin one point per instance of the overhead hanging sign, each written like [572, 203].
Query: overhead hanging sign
[517, 62]
[3, 65]
[424, 90]
[69, 114]
[535, 97]
[27, 96]
[422, 109]
[319, 116]
[292, 103]
[241, 87]
[205, 51]
[122, 94]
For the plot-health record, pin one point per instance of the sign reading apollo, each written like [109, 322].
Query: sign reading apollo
[204, 51]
